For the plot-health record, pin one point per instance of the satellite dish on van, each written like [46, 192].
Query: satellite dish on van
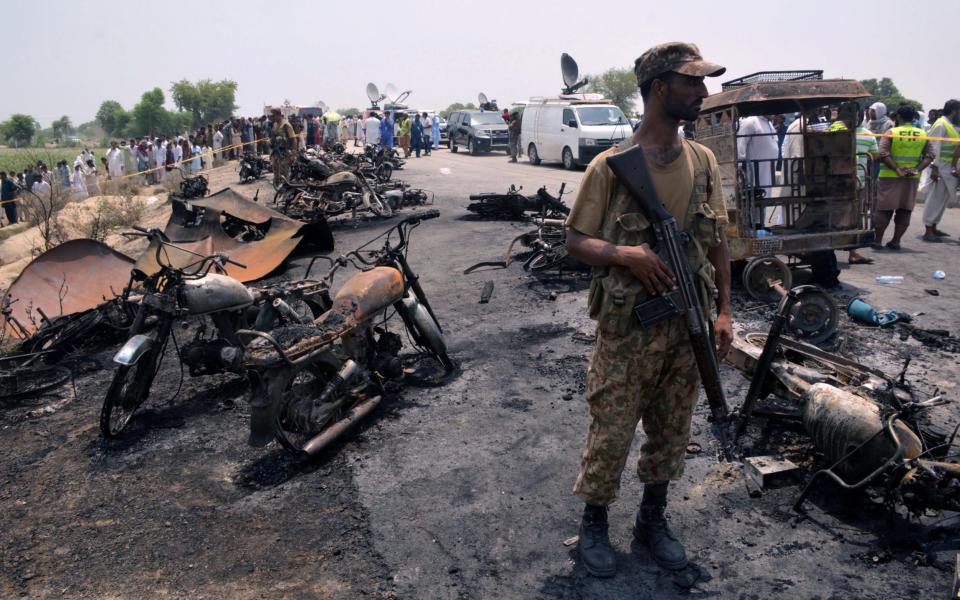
[395, 96]
[485, 103]
[570, 72]
[373, 93]
[392, 93]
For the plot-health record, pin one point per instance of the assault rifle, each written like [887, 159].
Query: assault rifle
[631, 170]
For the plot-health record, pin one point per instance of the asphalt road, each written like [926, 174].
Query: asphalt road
[454, 491]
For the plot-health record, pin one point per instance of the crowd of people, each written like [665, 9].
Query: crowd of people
[902, 158]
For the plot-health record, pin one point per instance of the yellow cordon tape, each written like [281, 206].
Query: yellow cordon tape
[180, 162]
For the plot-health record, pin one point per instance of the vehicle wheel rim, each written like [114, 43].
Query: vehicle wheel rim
[121, 412]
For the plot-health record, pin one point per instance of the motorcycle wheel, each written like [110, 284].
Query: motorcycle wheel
[128, 390]
[419, 324]
[384, 172]
[63, 334]
[546, 259]
[378, 207]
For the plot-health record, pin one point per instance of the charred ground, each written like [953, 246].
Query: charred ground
[453, 491]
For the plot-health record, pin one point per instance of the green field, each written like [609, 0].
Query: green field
[17, 159]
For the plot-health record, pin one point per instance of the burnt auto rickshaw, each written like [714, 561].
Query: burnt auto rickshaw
[794, 209]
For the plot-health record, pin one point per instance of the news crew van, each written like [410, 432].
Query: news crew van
[571, 128]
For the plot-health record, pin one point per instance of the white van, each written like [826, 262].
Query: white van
[571, 129]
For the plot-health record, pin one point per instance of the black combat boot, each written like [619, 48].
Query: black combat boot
[596, 554]
[652, 532]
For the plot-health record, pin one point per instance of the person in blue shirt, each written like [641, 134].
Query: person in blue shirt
[386, 131]
[416, 133]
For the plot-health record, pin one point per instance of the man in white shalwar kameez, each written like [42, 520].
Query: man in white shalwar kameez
[757, 141]
[942, 187]
[217, 143]
[114, 161]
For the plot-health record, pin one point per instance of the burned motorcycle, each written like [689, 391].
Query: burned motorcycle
[252, 167]
[865, 423]
[513, 205]
[386, 160]
[338, 194]
[193, 291]
[192, 187]
[309, 382]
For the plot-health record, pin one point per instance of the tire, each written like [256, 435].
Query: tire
[417, 325]
[546, 259]
[532, 155]
[377, 206]
[568, 162]
[128, 390]
[384, 172]
[63, 334]
[472, 147]
[16, 384]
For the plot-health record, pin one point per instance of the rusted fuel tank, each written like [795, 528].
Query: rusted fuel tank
[838, 422]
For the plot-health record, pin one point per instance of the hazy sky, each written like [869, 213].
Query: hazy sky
[66, 57]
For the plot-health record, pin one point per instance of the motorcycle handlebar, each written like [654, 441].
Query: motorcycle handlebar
[423, 215]
[227, 259]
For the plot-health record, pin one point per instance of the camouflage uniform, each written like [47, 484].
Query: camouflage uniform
[283, 142]
[637, 375]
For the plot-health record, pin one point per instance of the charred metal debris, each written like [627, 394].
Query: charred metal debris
[868, 426]
[322, 185]
[546, 243]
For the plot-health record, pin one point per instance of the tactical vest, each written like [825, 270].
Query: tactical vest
[905, 150]
[613, 289]
[948, 148]
[279, 140]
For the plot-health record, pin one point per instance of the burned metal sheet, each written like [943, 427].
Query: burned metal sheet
[281, 235]
[75, 276]
[784, 96]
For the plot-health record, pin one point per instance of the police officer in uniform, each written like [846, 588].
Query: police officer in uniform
[283, 145]
[903, 156]
[647, 375]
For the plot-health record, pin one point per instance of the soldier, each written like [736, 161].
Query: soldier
[647, 375]
[513, 129]
[283, 144]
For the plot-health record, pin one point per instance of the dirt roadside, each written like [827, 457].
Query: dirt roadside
[459, 491]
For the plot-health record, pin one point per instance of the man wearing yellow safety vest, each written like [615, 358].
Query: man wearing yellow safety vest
[904, 153]
[848, 117]
[943, 183]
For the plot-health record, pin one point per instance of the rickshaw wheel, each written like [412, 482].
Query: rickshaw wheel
[813, 318]
[760, 271]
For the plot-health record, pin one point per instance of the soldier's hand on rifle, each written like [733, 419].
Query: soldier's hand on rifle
[647, 267]
[723, 332]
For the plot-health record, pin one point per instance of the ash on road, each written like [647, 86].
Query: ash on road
[456, 491]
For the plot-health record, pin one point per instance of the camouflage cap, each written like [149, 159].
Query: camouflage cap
[674, 56]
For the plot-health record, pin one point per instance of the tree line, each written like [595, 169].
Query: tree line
[197, 104]
[208, 101]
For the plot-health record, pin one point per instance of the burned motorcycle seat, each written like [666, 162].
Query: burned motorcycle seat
[299, 340]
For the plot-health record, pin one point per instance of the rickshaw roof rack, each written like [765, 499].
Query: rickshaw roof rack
[772, 76]
[777, 97]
